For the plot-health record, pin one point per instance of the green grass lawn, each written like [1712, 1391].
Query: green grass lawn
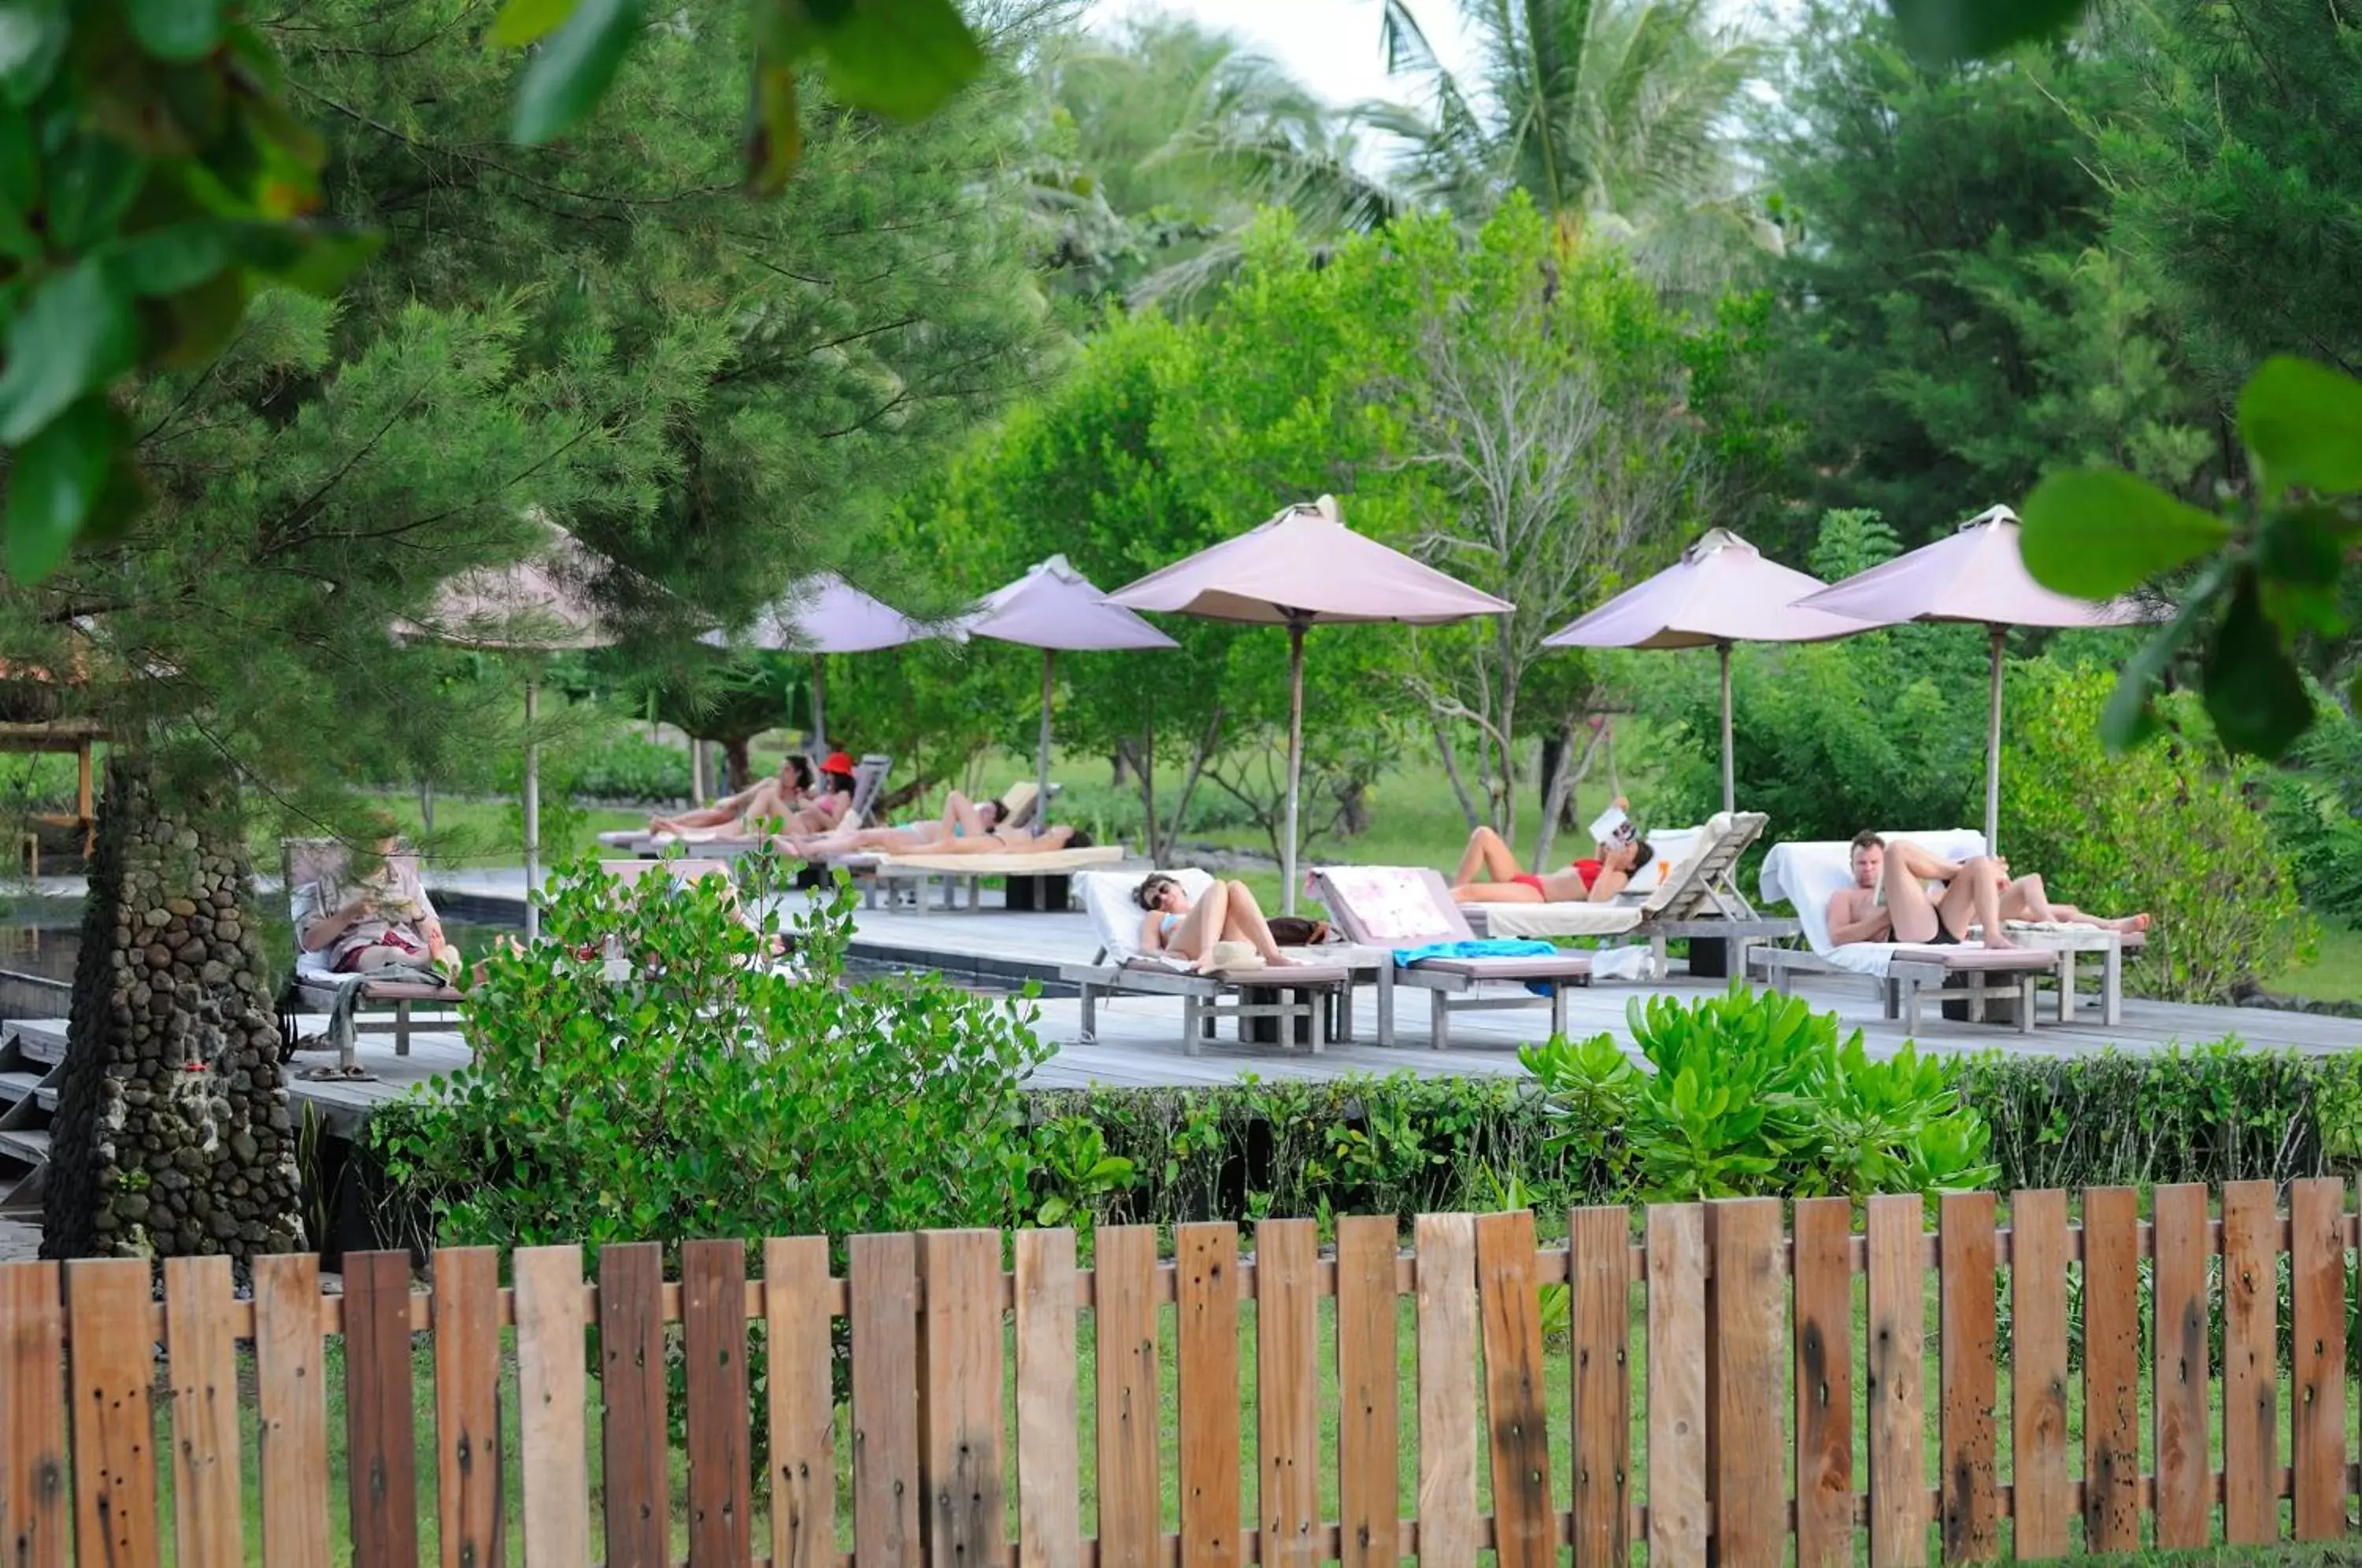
[2336, 972]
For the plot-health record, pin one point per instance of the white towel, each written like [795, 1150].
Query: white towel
[1809, 874]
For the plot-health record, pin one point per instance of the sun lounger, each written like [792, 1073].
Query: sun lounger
[1696, 899]
[1905, 974]
[729, 841]
[1393, 908]
[892, 874]
[1301, 1000]
[354, 1003]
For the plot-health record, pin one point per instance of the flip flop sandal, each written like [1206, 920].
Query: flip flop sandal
[338, 1075]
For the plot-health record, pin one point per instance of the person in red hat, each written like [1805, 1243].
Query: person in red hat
[826, 810]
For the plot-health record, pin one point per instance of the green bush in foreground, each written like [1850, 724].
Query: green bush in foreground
[648, 1072]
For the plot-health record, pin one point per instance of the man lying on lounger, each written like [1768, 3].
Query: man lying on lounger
[1902, 893]
[964, 828]
[1594, 881]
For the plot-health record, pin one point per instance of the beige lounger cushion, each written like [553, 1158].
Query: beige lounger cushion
[1560, 919]
[1045, 863]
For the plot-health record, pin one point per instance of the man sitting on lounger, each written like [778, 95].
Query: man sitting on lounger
[1902, 893]
[1594, 881]
[766, 800]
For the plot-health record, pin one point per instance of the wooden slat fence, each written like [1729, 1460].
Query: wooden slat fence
[1732, 1383]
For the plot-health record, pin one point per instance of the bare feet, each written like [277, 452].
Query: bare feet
[1278, 960]
[1999, 940]
[2130, 924]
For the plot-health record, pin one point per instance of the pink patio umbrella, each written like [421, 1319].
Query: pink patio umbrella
[1052, 607]
[824, 615]
[539, 605]
[1975, 578]
[1301, 568]
[1721, 591]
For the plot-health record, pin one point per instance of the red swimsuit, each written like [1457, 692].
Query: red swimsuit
[1589, 869]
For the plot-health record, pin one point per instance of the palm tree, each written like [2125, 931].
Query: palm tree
[1174, 136]
[1600, 110]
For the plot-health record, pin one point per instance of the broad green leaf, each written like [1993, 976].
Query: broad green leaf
[177, 30]
[2129, 720]
[575, 65]
[901, 58]
[1940, 31]
[168, 259]
[20, 163]
[325, 258]
[2252, 691]
[33, 35]
[202, 320]
[92, 185]
[54, 482]
[2299, 560]
[2303, 423]
[521, 22]
[2096, 533]
[73, 335]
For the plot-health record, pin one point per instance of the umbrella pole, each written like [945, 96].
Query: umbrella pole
[1993, 753]
[532, 815]
[1294, 760]
[1729, 789]
[820, 695]
[1041, 753]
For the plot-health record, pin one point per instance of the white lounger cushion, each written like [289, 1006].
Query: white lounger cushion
[1560, 919]
[1115, 917]
[1042, 863]
[1809, 874]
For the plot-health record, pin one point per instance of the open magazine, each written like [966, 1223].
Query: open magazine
[1612, 827]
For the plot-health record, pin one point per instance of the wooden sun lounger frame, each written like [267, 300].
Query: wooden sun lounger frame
[1320, 996]
[351, 1005]
[1456, 985]
[1913, 978]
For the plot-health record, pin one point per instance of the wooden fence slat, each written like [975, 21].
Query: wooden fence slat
[1744, 1339]
[1972, 1384]
[1369, 1489]
[1678, 1515]
[112, 1369]
[1206, 1363]
[960, 1447]
[2317, 1270]
[2251, 1415]
[1600, 1276]
[883, 1292]
[1894, 1367]
[33, 1414]
[2180, 1370]
[1509, 1308]
[381, 1423]
[208, 1519]
[1446, 1245]
[467, 1408]
[1125, 1314]
[2111, 1369]
[553, 1458]
[635, 1484]
[290, 1411]
[1824, 1332]
[1288, 1391]
[1049, 1516]
[802, 1403]
[2041, 1501]
[713, 1330]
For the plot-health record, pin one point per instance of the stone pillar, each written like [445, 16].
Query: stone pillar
[173, 1134]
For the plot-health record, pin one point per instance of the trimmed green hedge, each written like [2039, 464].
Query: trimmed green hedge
[1402, 1144]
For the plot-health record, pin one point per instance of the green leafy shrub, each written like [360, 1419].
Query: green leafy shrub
[2166, 827]
[1752, 1092]
[629, 766]
[2317, 814]
[711, 1092]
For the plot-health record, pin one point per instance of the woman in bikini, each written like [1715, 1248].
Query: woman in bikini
[961, 819]
[1504, 881]
[1227, 913]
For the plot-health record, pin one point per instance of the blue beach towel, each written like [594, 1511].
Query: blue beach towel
[1488, 947]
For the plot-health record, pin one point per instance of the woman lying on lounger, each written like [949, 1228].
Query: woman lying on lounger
[1227, 913]
[767, 800]
[1596, 880]
[964, 828]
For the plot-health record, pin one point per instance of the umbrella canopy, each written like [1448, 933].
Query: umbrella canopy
[1974, 576]
[824, 615]
[539, 605]
[1721, 591]
[1055, 607]
[1301, 568]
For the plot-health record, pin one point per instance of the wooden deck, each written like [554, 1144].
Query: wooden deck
[1140, 1044]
